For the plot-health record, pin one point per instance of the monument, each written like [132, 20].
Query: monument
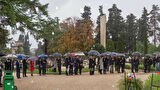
[103, 30]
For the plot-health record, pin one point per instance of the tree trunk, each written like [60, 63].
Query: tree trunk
[46, 46]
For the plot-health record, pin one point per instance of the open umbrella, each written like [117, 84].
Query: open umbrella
[21, 56]
[57, 55]
[32, 59]
[93, 53]
[120, 54]
[1, 55]
[136, 54]
[79, 54]
[157, 53]
[68, 54]
[11, 56]
[148, 55]
[43, 56]
[113, 54]
[107, 53]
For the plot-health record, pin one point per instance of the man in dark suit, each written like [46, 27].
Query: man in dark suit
[40, 66]
[118, 63]
[44, 65]
[136, 63]
[105, 64]
[76, 64]
[67, 64]
[112, 61]
[122, 63]
[24, 67]
[92, 65]
[59, 65]
[8, 64]
[71, 64]
[80, 65]
[18, 68]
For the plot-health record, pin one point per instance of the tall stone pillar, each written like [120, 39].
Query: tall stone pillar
[103, 30]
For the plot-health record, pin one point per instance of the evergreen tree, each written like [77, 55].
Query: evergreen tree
[110, 45]
[40, 49]
[154, 23]
[115, 24]
[87, 13]
[120, 45]
[21, 38]
[26, 45]
[98, 47]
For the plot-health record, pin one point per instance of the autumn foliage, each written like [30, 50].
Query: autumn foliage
[78, 36]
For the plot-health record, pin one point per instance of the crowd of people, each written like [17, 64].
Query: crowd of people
[74, 64]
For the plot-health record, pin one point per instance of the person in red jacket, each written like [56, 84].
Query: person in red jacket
[31, 67]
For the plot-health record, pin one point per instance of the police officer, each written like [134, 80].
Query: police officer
[40, 66]
[91, 65]
[18, 68]
[67, 64]
[112, 60]
[8, 64]
[122, 63]
[24, 67]
[76, 64]
[80, 65]
[59, 65]
[44, 65]
[71, 64]
[1, 66]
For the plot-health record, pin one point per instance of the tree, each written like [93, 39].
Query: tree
[154, 23]
[21, 38]
[87, 13]
[98, 47]
[40, 49]
[120, 46]
[26, 45]
[130, 33]
[110, 45]
[115, 24]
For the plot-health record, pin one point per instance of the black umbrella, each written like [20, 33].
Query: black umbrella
[93, 53]
[148, 55]
[156, 53]
[57, 55]
[136, 54]
[1, 54]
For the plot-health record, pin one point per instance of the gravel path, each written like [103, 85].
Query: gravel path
[78, 82]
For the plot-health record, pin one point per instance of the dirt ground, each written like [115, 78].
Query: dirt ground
[78, 82]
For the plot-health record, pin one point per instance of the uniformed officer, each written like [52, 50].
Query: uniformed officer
[44, 65]
[24, 67]
[91, 65]
[18, 68]
[1, 66]
[80, 65]
[112, 64]
[76, 64]
[59, 65]
[40, 66]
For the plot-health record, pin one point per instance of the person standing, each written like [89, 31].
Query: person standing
[122, 63]
[59, 65]
[91, 65]
[136, 63]
[24, 67]
[1, 66]
[31, 67]
[40, 66]
[8, 64]
[154, 61]
[71, 64]
[112, 64]
[55, 64]
[118, 63]
[101, 65]
[44, 65]
[67, 64]
[76, 64]
[18, 69]
[80, 65]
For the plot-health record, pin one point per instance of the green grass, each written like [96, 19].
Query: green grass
[156, 81]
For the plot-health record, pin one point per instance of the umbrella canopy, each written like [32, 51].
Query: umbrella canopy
[1, 54]
[57, 55]
[93, 53]
[113, 54]
[107, 53]
[68, 54]
[120, 54]
[136, 54]
[157, 53]
[11, 56]
[32, 59]
[148, 55]
[21, 56]
[79, 54]
[43, 56]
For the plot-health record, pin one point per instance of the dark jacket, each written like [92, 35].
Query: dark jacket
[8, 65]
[17, 65]
[91, 63]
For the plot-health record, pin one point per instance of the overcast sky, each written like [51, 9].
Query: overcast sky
[71, 8]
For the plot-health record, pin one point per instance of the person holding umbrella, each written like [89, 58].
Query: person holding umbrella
[76, 64]
[67, 63]
[80, 65]
[147, 63]
[40, 66]
[1, 66]
[59, 64]
[92, 63]
[122, 63]
[31, 68]
[112, 64]
[100, 64]
[18, 68]
[44, 65]
[24, 67]
[8, 64]
[71, 64]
